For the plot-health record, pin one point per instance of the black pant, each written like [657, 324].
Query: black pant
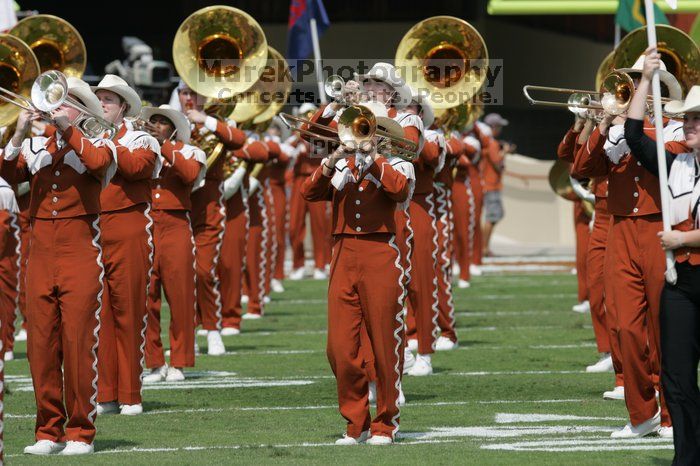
[680, 354]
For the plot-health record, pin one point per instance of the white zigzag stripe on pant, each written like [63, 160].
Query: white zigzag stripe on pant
[98, 311]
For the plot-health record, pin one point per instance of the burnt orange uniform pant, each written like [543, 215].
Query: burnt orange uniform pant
[443, 207]
[366, 288]
[320, 226]
[208, 223]
[477, 245]
[64, 290]
[635, 277]
[127, 242]
[583, 233]
[279, 202]
[9, 277]
[173, 270]
[271, 234]
[423, 308]
[464, 223]
[232, 263]
[257, 252]
[601, 315]
[25, 230]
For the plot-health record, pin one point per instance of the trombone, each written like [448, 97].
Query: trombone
[49, 92]
[358, 125]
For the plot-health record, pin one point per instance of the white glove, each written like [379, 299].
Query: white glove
[254, 186]
[233, 183]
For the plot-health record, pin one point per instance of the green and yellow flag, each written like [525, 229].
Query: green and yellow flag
[630, 15]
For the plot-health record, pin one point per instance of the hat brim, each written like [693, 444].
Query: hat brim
[675, 91]
[679, 106]
[128, 94]
[182, 125]
[403, 92]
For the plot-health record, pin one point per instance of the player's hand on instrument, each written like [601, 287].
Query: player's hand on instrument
[151, 129]
[24, 121]
[652, 62]
[579, 121]
[60, 118]
[196, 116]
[671, 240]
[605, 123]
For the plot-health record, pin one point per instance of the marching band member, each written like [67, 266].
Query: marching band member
[634, 271]
[464, 207]
[183, 171]
[234, 247]
[492, 168]
[9, 267]
[127, 239]
[209, 216]
[680, 301]
[304, 165]
[65, 284]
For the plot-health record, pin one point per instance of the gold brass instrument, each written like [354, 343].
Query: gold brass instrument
[19, 69]
[445, 56]
[614, 97]
[214, 46]
[678, 51]
[561, 183]
[457, 118]
[357, 125]
[212, 50]
[55, 42]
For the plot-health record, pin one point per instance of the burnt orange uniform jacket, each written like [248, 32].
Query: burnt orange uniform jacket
[64, 276]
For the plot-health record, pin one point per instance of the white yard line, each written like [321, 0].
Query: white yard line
[510, 418]
[584, 444]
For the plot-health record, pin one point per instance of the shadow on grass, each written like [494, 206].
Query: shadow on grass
[110, 444]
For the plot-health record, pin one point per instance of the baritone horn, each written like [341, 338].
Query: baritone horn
[445, 56]
[19, 69]
[55, 42]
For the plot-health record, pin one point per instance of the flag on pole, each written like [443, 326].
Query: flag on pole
[299, 43]
[630, 14]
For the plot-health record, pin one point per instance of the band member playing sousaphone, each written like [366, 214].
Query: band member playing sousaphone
[65, 284]
[173, 267]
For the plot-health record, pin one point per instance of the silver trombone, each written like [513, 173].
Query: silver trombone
[48, 93]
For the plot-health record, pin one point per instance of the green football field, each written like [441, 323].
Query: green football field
[515, 392]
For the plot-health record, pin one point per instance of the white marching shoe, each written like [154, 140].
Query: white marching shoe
[379, 440]
[320, 274]
[372, 392]
[347, 440]
[582, 308]
[412, 344]
[647, 427]
[462, 284]
[77, 448]
[445, 344]
[9, 356]
[215, 345]
[131, 410]
[423, 366]
[174, 375]
[276, 286]
[110, 407]
[617, 393]
[605, 364]
[665, 432]
[244, 299]
[402, 398]
[251, 316]
[44, 447]
[266, 300]
[408, 359]
[229, 331]
[21, 335]
[297, 274]
[157, 374]
[202, 332]
[475, 270]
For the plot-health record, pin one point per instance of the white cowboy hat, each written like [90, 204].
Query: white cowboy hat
[114, 83]
[387, 73]
[179, 120]
[81, 90]
[675, 91]
[306, 107]
[423, 100]
[691, 103]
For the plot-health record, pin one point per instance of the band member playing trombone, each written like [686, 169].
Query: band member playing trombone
[127, 239]
[173, 267]
[634, 270]
[208, 215]
[65, 285]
